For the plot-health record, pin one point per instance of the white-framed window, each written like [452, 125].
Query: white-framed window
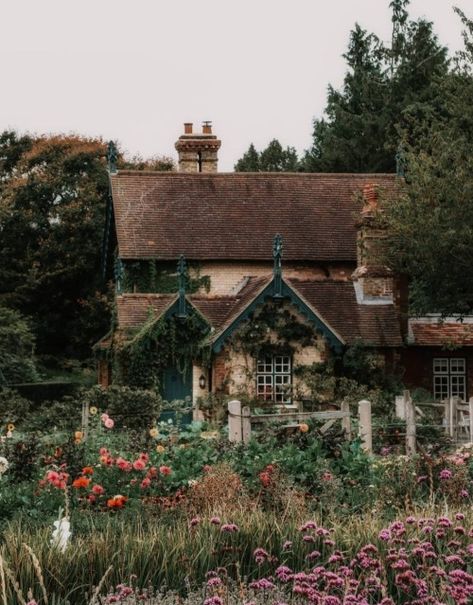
[274, 378]
[449, 377]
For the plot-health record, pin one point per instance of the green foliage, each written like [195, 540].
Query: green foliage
[429, 228]
[385, 89]
[150, 276]
[130, 407]
[17, 362]
[160, 344]
[272, 159]
[13, 407]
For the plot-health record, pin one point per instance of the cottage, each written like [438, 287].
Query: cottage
[236, 282]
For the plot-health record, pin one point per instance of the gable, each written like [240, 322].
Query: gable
[236, 215]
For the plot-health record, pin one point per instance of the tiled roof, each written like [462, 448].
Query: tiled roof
[236, 215]
[134, 309]
[425, 332]
[335, 302]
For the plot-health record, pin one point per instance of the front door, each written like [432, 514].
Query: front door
[176, 386]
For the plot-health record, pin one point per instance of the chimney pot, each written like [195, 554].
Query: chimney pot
[207, 127]
[187, 127]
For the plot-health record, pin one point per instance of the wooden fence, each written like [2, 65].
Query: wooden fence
[241, 421]
[454, 417]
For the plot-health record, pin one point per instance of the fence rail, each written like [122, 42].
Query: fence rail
[241, 421]
[456, 418]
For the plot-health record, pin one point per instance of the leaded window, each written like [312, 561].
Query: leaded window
[274, 379]
[449, 377]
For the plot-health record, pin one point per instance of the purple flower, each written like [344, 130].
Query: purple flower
[229, 528]
[445, 474]
[215, 520]
[384, 535]
[194, 521]
[287, 545]
[263, 584]
[213, 601]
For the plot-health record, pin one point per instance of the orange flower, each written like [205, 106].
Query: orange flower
[87, 470]
[81, 482]
[116, 502]
[303, 427]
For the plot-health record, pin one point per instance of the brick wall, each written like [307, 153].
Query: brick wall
[418, 361]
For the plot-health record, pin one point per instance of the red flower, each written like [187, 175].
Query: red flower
[116, 502]
[98, 490]
[165, 470]
[81, 482]
[87, 470]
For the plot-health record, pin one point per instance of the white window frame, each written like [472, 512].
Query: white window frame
[274, 379]
[449, 377]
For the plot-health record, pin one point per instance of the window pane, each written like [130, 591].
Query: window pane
[441, 387]
[457, 365]
[441, 365]
[458, 387]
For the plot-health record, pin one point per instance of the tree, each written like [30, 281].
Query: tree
[430, 235]
[53, 192]
[272, 159]
[383, 88]
[17, 342]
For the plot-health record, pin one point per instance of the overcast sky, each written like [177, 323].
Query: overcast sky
[136, 70]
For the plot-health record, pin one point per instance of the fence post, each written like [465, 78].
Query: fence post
[246, 424]
[453, 418]
[235, 433]
[401, 406]
[364, 414]
[470, 419]
[346, 422]
[410, 424]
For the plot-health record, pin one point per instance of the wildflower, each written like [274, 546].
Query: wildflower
[384, 535]
[464, 494]
[109, 423]
[260, 555]
[98, 490]
[445, 474]
[229, 528]
[123, 464]
[81, 482]
[215, 600]
[287, 545]
[327, 476]
[165, 470]
[3, 465]
[160, 449]
[10, 427]
[303, 427]
[61, 534]
[263, 584]
[459, 516]
[194, 521]
[153, 432]
[87, 470]
[265, 479]
[139, 465]
[215, 520]
[216, 581]
[104, 417]
[93, 410]
[103, 451]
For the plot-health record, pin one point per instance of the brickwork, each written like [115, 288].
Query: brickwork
[418, 366]
[227, 277]
[377, 286]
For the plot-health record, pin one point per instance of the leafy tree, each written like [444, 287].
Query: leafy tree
[53, 191]
[272, 159]
[383, 89]
[430, 235]
[17, 343]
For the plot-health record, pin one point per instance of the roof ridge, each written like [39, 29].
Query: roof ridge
[173, 173]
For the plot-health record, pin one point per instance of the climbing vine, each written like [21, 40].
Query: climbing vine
[159, 344]
[151, 276]
[273, 330]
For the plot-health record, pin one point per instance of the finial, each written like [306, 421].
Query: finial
[112, 157]
[182, 278]
[401, 161]
[277, 268]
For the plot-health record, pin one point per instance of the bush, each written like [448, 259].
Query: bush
[130, 407]
[16, 348]
[13, 407]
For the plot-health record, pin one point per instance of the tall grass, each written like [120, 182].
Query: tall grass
[166, 554]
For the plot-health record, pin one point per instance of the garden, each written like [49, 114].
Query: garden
[140, 507]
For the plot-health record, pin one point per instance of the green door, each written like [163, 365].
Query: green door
[176, 386]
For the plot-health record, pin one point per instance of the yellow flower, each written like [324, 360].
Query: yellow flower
[303, 427]
[93, 410]
[10, 427]
[160, 449]
[153, 432]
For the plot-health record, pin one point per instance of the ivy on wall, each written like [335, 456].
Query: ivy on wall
[273, 330]
[160, 344]
[154, 276]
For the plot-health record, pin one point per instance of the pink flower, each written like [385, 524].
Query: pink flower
[139, 464]
[145, 483]
[165, 470]
[215, 520]
[98, 490]
[104, 417]
[445, 474]
[109, 423]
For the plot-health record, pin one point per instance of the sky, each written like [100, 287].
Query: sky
[135, 71]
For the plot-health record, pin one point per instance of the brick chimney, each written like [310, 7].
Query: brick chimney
[198, 152]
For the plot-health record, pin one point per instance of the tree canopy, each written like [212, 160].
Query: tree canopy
[272, 159]
[16, 348]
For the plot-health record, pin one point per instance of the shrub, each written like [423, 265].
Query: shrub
[17, 362]
[13, 407]
[130, 407]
